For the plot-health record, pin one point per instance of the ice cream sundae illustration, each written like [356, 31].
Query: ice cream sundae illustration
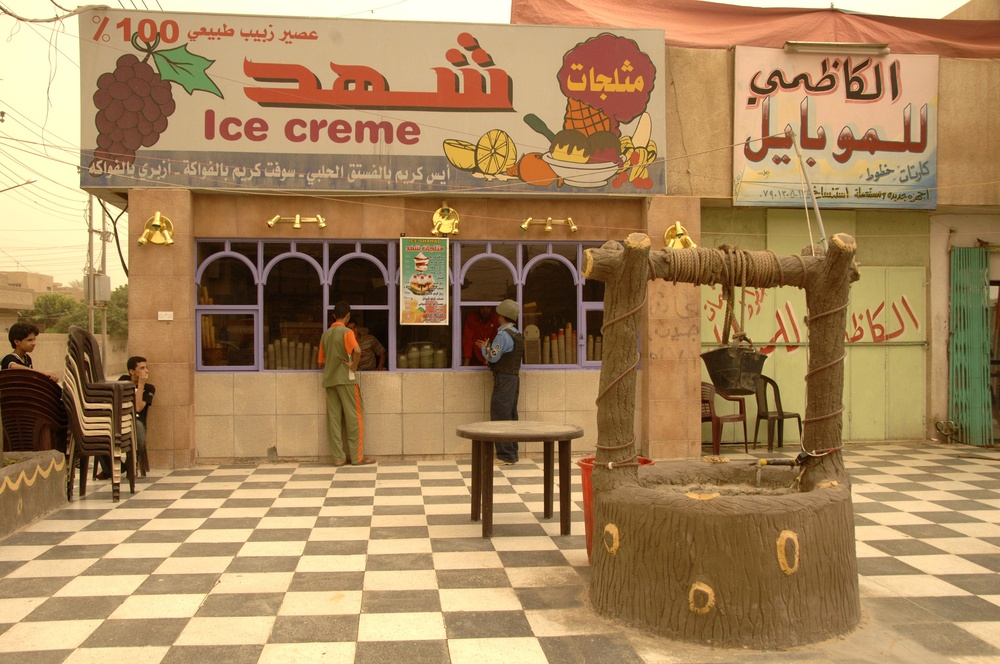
[421, 282]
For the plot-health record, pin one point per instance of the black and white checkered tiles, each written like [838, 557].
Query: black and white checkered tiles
[304, 563]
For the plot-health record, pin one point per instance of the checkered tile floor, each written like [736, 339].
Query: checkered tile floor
[304, 563]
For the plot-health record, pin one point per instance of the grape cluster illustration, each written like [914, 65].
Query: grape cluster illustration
[135, 100]
[133, 104]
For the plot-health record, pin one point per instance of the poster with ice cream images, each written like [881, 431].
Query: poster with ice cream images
[423, 281]
[212, 101]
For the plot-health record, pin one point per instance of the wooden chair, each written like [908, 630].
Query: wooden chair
[776, 416]
[708, 414]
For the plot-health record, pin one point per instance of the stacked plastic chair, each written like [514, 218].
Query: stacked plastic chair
[34, 418]
[101, 413]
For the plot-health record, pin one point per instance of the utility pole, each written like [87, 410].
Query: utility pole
[90, 263]
[98, 284]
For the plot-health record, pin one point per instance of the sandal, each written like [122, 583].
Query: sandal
[338, 464]
[364, 462]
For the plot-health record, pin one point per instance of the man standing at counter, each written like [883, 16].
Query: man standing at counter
[339, 355]
[504, 356]
[479, 324]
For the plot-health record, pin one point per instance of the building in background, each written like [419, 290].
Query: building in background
[285, 166]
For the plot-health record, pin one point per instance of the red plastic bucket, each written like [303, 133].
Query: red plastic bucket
[586, 468]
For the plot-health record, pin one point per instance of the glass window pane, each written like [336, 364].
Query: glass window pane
[380, 252]
[206, 249]
[227, 281]
[566, 250]
[508, 251]
[550, 304]
[272, 249]
[312, 249]
[593, 290]
[594, 321]
[338, 250]
[470, 250]
[227, 340]
[359, 281]
[488, 280]
[423, 347]
[293, 302]
[248, 249]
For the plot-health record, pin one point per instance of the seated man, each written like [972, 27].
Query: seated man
[138, 373]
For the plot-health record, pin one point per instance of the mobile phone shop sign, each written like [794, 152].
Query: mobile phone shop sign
[865, 125]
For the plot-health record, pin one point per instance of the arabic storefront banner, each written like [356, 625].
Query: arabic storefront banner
[307, 104]
[866, 126]
[423, 281]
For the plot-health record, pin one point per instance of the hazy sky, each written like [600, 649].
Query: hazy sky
[43, 225]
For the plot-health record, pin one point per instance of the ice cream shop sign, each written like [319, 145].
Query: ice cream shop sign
[210, 101]
[423, 283]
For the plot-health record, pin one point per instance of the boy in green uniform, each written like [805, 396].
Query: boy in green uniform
[339, 354]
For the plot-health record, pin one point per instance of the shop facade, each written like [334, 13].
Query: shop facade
[229, 314]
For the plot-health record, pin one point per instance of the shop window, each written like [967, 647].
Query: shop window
[227, 308]
[549, 304]
[293, 314]
[263, 305]
[227, 339]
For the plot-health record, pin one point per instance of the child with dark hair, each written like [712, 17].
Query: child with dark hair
[22, 337]
[138, 375]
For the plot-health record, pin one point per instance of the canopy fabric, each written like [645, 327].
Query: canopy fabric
[693, 24]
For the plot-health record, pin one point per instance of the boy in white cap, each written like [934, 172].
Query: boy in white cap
[504, 357]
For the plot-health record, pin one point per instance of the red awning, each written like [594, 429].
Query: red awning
[692, 24]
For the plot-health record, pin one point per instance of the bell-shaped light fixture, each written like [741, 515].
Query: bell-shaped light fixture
[158, 230]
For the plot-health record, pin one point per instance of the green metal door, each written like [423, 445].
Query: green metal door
[969, 346]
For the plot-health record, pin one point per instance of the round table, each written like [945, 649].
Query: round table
[484, 435]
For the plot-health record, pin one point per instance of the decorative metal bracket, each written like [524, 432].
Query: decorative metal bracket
[548, 221]
[297, 221]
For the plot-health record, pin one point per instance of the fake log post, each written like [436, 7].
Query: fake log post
[725, 554]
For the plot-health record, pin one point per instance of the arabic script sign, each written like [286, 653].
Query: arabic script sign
[210, 101]
[866, 127]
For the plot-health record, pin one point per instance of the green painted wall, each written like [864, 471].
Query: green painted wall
[885, 372]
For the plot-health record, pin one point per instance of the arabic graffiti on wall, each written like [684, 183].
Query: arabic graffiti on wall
[205, 101]
[866, 126]
[888, 309]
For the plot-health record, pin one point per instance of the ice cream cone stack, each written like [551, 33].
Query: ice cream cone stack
[584, 118]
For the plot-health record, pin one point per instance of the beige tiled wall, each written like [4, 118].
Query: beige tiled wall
[244, 416]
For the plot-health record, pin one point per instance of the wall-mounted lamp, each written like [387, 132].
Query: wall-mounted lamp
[158, 230]
[549, 221]
[445, 220]
[297, 220]
[847, 48]
[676, 237]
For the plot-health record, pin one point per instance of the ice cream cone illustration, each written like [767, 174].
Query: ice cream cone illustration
[584, 118]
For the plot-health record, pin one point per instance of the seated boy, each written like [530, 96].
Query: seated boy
[22, 337]
[138, 373]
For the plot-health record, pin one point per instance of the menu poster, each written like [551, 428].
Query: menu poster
[423, 281]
